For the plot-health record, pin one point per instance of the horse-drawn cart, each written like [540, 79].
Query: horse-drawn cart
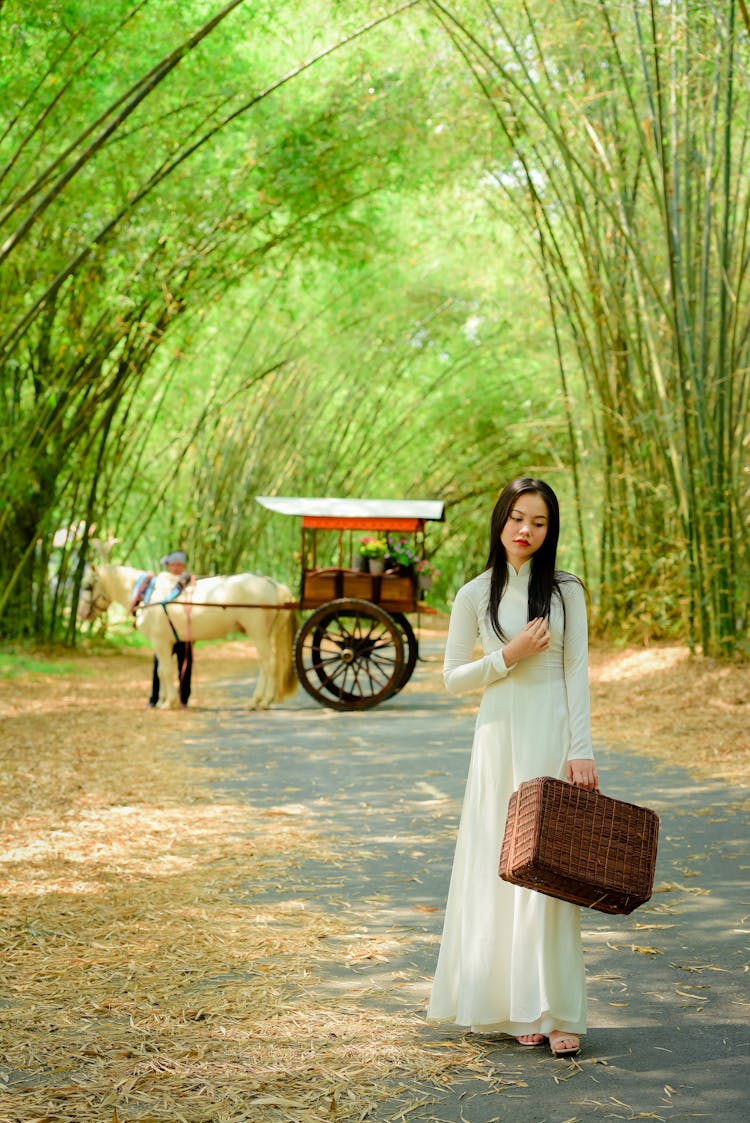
[357, 647]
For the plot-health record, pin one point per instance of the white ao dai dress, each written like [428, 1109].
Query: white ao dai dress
[511, 959]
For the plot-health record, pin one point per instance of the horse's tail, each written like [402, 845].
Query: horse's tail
[282, 638]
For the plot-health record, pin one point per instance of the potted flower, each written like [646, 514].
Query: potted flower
[426, 574]
[401, 556]
[374, 549]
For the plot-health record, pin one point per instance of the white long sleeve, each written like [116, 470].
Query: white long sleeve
[461, 671]
[576, 671]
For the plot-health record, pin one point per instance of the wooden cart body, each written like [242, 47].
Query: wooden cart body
[357, 648]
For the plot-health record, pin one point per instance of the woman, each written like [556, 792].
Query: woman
[511, 959]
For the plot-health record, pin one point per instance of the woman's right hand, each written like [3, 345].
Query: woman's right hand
[533, 638]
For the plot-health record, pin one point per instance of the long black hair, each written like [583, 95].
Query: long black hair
[544, 580]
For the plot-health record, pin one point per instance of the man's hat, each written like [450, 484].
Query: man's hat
[173, 558]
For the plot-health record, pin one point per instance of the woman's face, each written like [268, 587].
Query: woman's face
[525, 529]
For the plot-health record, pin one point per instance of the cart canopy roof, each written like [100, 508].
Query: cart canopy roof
[357, 514]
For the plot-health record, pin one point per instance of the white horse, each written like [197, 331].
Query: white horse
[209, 608]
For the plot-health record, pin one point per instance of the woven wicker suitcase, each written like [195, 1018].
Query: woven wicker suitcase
[579, 846]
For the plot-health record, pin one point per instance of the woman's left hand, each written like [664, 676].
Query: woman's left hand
[583, 774]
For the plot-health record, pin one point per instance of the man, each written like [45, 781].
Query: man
[176, 564]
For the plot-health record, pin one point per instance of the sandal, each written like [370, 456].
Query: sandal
[538, 1039]
[557, 1036]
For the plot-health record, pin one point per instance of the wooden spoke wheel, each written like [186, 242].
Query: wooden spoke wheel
[350, 655]
[411, 648]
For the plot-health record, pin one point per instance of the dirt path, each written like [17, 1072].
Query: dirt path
[668, 985]
[217, 915]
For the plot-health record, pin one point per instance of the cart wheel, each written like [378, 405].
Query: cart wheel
[350, 655]
[411, 648]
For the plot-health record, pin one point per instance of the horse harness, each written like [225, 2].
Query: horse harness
[143, 590]
[97, 604]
